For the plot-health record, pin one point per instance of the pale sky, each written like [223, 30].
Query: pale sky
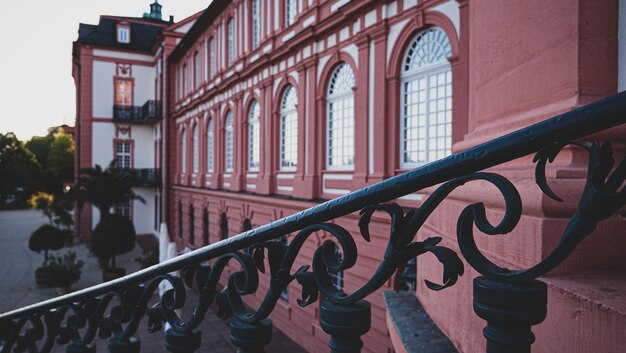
[36, 86]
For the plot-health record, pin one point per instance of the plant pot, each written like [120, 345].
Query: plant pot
[110, 274]
[42, 277]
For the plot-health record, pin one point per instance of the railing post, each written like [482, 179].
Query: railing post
[251, 337]
[177, 342]
[510, 310]
[345, 324]
[130, 345]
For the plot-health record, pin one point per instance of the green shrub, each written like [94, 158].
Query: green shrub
[114, 235]
[45, 238]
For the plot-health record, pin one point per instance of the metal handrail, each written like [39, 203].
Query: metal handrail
[572, 125]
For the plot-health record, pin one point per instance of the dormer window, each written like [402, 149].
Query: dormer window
[123, 33]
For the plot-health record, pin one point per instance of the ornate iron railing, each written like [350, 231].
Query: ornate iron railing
[510, 300]
[149, 177]
[152, 110]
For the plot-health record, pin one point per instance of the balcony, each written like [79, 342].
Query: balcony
[146, 177]
[150, 112]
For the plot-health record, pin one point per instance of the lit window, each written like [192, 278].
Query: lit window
[123, 153]
[231, 41]
[426, 114]
[212, 57]
[123, 35]
[183, 152]
[256, 23]
[210, 140]
[228, 142]
[123, 93]
[196, 70]
[289, 130]
[196, 150]
[254, 136]
[291, 9]
[340, 120]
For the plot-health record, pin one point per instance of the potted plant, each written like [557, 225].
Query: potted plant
[64, 271]
[114, 235]
[45, 238]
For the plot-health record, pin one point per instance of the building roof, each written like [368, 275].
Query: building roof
[143, 32]
[206, 19]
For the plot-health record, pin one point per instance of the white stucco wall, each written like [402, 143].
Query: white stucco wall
[102, 143]
[143, 153]
[143, 214]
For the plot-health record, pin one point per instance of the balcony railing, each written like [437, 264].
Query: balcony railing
[511, 301]
[149, 177]
[151, 111]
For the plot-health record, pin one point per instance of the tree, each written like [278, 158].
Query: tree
[40, 146]
[104, 188]
[46, 238]
[114, 235]
[60, 162]
[18, 167]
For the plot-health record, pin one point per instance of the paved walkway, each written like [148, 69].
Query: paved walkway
[17, 288]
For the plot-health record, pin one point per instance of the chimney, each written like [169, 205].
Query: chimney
[171, 18]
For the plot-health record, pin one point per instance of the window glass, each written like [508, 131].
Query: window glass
[254, 137]
[340, 119]
[228, 142]
[123, 93]
[289, 130]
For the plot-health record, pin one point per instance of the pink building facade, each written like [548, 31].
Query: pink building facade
[274, 106]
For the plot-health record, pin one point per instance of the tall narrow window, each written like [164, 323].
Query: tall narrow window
[289, 130]
[210, 147]
[231, 41]
[254, 136]
[340, 119]
[228, 142]
[212, 62]
[291, 10]
[205, 226]
[123, 155]
[256, 23]
[124, 208]
[183, 152]
[180, 220]
[196, 150]
[192, 225]
[123, 92]
[196, 70]
[224, 226]
[123, 34]
[426, 91]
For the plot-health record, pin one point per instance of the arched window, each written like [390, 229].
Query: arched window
[289, 129]
[247, 224]
[205, 226]
[210, 147]
[183, 151]
[426, 91]
[291, 10]
[224, 226]
[340, 119]
[256, 23]
[212, 62]
[228, 142]
[196, 150]
[231, 41]
[254, 136]
[192, 225]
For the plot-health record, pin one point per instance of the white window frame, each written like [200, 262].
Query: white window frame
[210, 147]
[196, 150]
[254, 137]
[231, 41]
[196, 70]
[332, 99]
[183, 152]
[426, 72]
[123, 156]
[229, 142]
[123, 35]
[212, 62]
[288, 116]
[256, 23]
[291, 11]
